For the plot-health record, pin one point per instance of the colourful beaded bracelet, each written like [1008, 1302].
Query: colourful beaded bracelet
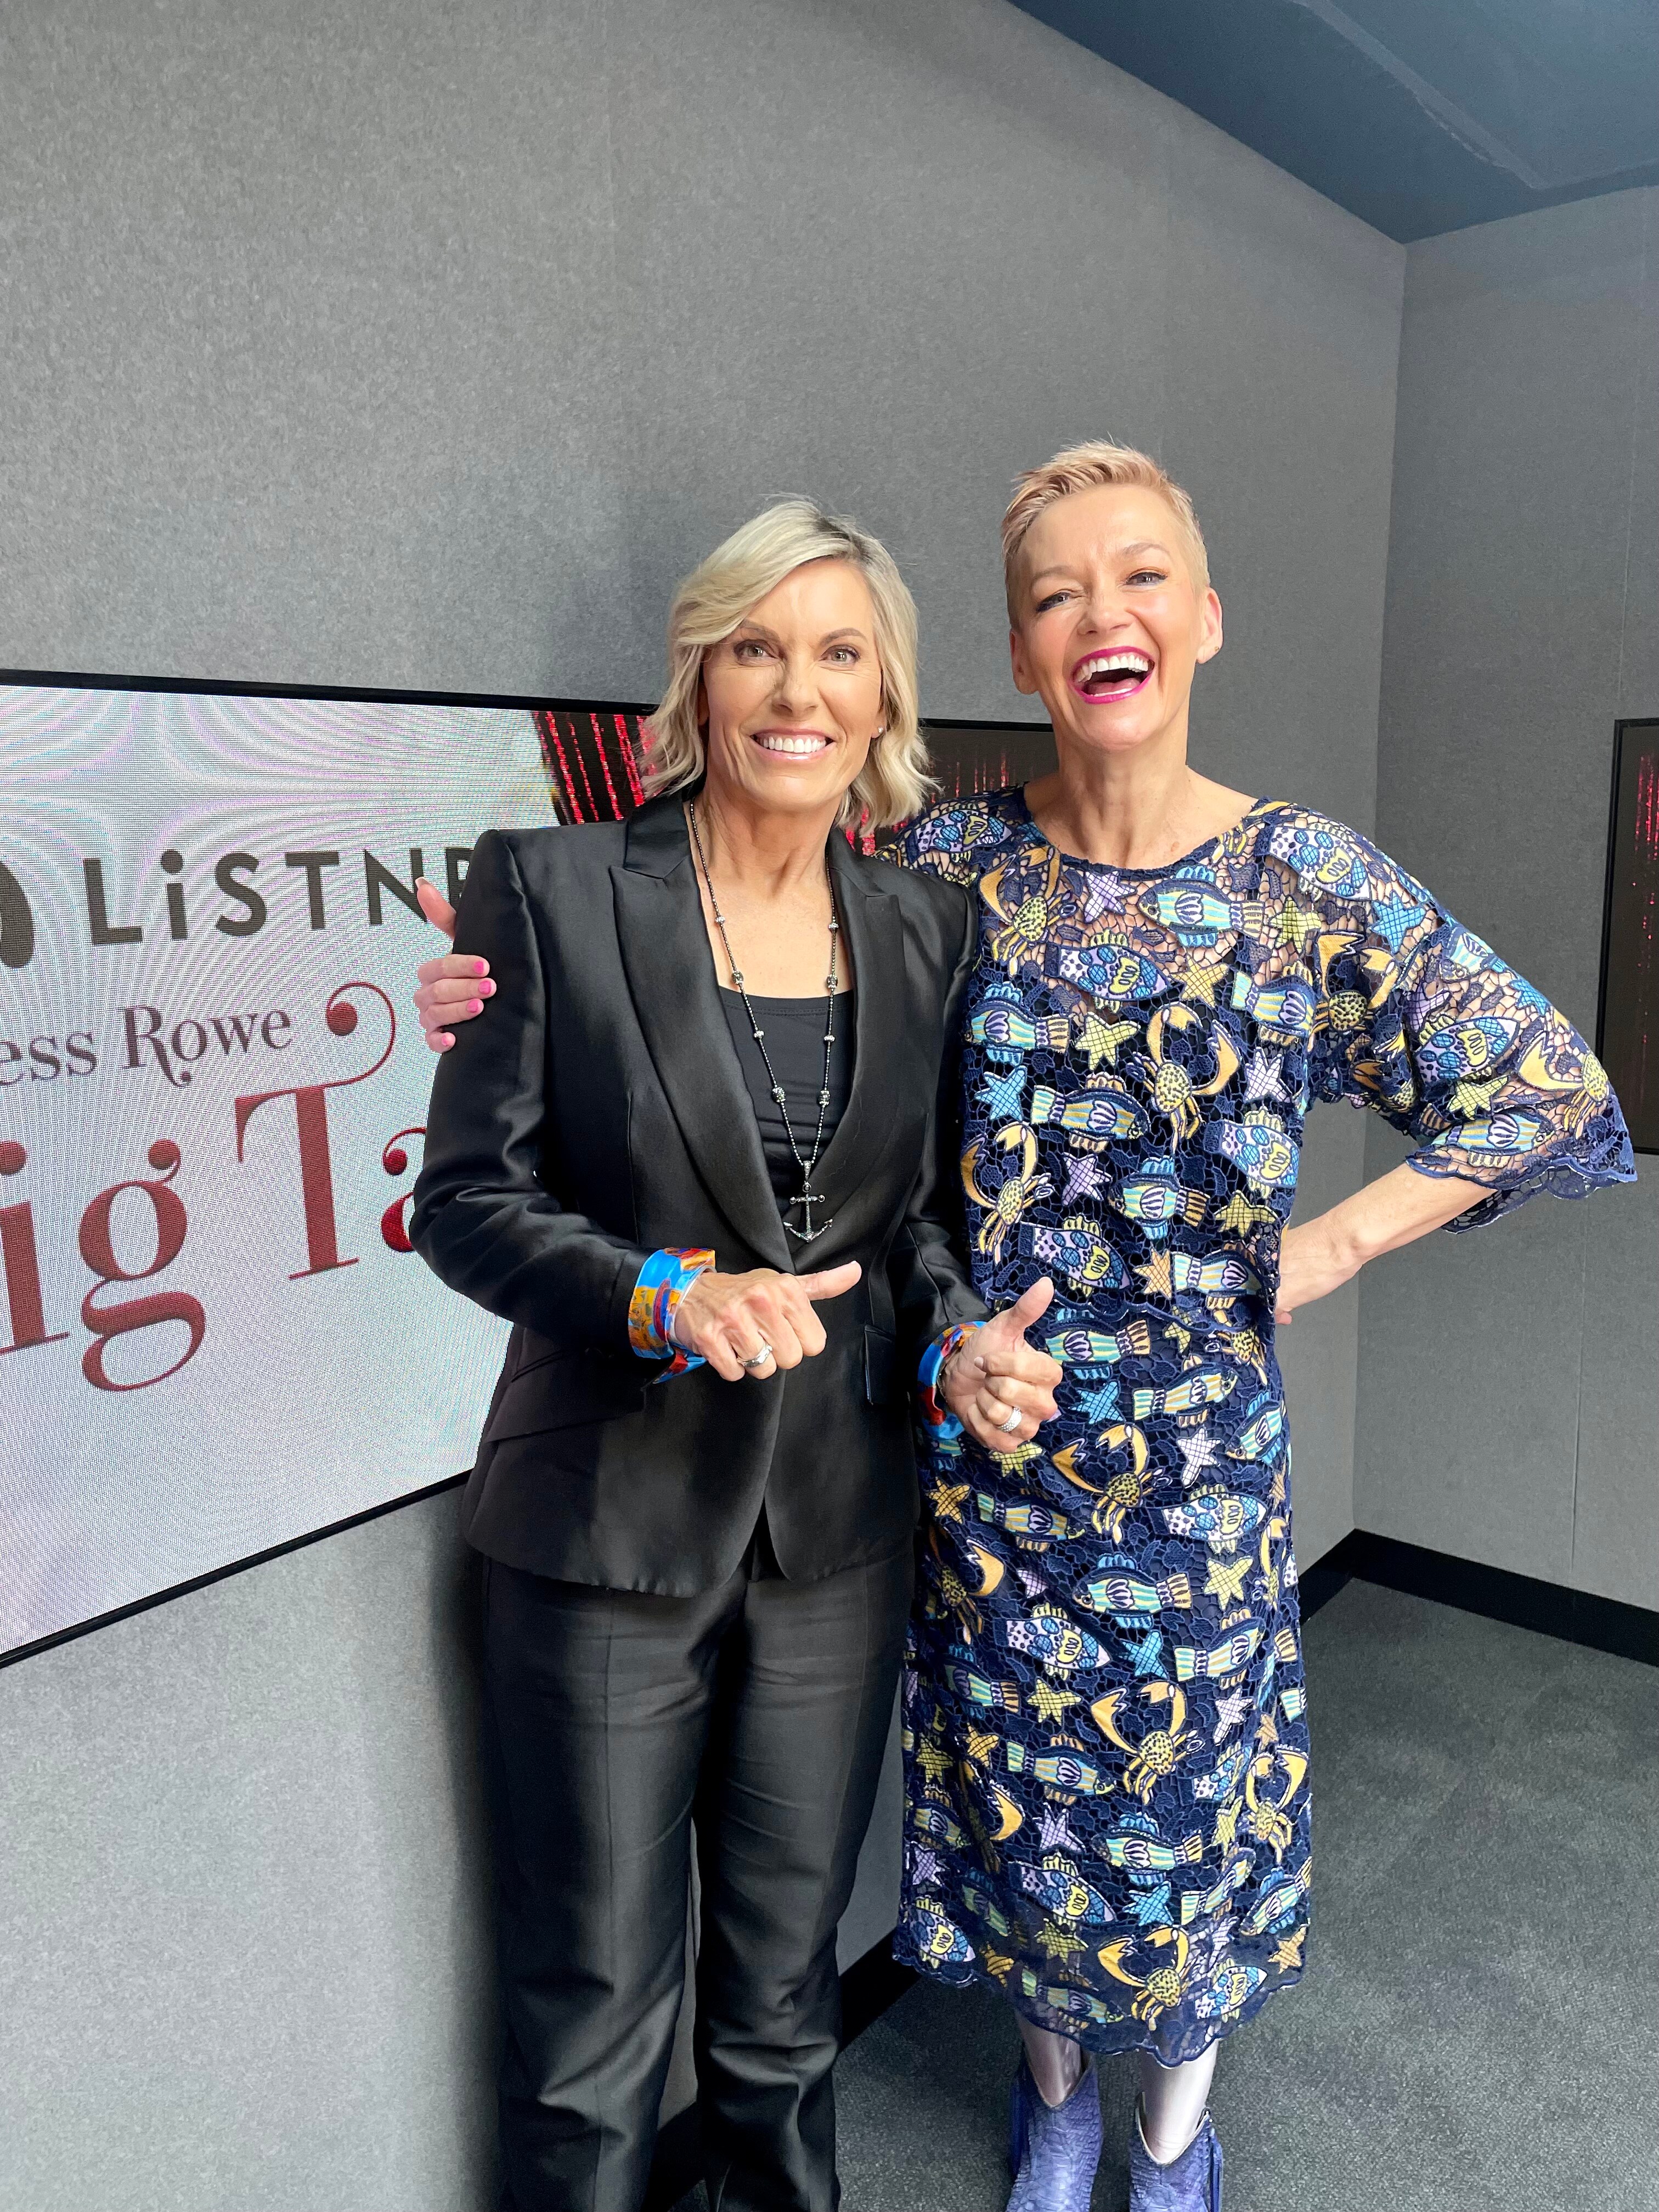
[936, 1417]
[663, 1280]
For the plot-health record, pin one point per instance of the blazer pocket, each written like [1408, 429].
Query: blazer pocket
[558, 1393]
[882, 1380]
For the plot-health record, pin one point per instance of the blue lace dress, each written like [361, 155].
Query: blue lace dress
[1104, 1725]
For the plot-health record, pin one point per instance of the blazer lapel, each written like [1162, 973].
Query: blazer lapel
[882, 1064]
[671, 978]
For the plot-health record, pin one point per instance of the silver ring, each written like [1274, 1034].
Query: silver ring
[1007, 1427]
[760, 1358]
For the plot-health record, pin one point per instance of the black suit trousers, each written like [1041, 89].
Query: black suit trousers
[758, 1711]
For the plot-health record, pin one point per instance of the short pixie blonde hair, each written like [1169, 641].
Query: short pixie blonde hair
[1087, 468]
[894, 782]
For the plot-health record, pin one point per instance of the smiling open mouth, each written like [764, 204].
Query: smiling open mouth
[804, 745]
[1111, 675]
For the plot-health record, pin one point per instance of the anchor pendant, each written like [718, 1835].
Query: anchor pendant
[806, 1199]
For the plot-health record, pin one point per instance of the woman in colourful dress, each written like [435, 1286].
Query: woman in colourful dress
[1107, 1755]
[1105, 1716]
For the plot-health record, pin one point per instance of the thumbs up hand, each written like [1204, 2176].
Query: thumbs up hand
[998, 1388]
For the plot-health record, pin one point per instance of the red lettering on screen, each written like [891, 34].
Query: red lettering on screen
[395, 1160]
[21, 1265]
[311, 1122]
[128, 1315]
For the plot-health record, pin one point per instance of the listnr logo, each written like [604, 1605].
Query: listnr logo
[16, 922]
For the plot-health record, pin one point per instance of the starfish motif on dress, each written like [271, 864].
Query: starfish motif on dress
[1054, 1829]
[1240, 1214]
[1225, 1579]
[1049, 1703]
[1100, 1038]
[1264, 1075]
[1297, 924]
[934, 1760]
[1199, 1449]
[1083, 1178]
[1393, 918]
[1202, 981]
[1150, 1907]
[1101, 895]
[925, 1868]
[1231, 1709]
[1002, 1093]
[981, 1745]
[1103, 1403]
[1058, 1942]
[947, 1499]
[1287, 1952]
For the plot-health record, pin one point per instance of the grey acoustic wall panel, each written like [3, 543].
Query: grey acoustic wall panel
[1508, 1389]
[243, 1936]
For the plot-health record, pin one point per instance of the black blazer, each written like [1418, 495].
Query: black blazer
[598, 1112]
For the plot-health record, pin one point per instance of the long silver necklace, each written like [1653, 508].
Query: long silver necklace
[805, 1198]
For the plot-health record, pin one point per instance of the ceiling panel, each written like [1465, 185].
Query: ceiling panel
[1419, 116]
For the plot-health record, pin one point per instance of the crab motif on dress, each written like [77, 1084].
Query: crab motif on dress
[1156, 1751]
[1025, 930]
[1019, 1188]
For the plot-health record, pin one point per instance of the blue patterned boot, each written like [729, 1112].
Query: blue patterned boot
[1053, 2150]
[1191, 2183]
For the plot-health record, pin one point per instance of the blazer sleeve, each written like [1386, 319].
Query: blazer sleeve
[932, 1282]
[482, 1218]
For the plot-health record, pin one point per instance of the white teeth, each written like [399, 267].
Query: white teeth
[801, 746]
[1114, 664]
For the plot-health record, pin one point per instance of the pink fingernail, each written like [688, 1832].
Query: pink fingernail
[480, 967]
[475, 1005]
[487, 990]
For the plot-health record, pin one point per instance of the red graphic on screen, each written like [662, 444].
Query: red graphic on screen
[1629, 1041]
[594, 760]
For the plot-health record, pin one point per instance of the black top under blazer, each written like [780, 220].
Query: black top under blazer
[596, 1113]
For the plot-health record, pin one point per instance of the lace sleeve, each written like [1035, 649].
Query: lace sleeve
[1421, 1021]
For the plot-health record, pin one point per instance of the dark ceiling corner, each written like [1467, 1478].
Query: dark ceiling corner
[1419, 116]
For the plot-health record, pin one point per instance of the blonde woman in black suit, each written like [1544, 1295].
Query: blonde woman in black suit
[703, 1157]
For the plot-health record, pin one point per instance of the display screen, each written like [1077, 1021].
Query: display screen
[1628, 1029]
[214, 1337]
[215, 1340]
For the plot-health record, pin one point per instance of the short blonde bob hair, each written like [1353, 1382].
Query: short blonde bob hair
[894, 782]
[1087, 468]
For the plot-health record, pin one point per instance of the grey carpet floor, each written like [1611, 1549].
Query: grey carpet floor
[1476, 2032]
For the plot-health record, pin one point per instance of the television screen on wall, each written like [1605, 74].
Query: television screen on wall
[215, 1339]
[1627, 1039]
[212, 1085]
